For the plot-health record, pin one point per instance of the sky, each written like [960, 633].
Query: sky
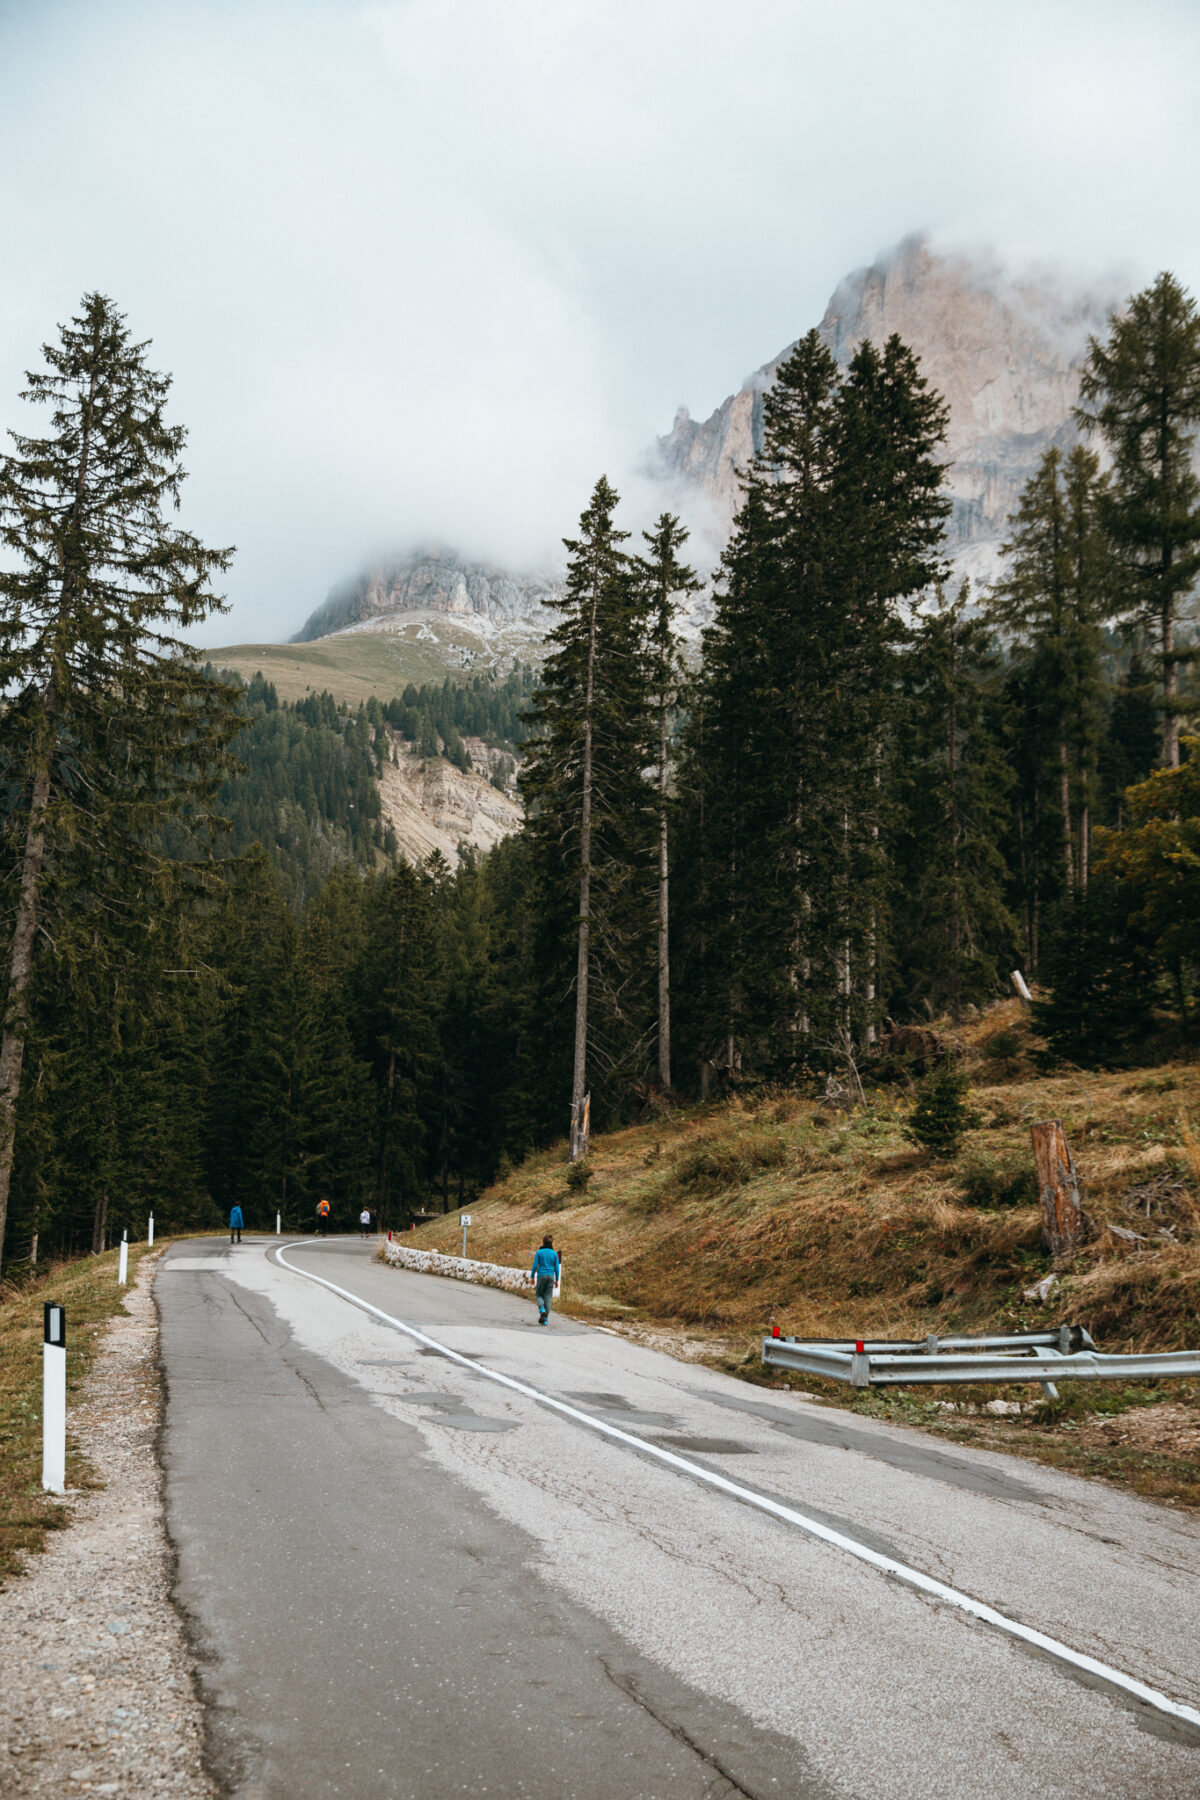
[423, 269]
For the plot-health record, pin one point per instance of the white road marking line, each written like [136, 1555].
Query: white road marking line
[913, 1578]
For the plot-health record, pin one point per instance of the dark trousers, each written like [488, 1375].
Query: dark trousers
[235, 1234]
[545, 1292]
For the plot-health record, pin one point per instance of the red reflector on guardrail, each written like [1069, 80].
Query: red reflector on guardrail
[774, 1331]
[858, 1345]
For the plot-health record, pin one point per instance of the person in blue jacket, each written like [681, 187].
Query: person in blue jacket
[546, 1267]
[235, 1225]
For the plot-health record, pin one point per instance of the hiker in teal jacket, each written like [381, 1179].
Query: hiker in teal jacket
[547, 1267]
[235, 1224]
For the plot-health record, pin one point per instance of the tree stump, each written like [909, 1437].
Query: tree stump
[1064, 1223]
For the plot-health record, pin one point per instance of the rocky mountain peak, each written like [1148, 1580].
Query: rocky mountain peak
[1005, 351]
[432, 579]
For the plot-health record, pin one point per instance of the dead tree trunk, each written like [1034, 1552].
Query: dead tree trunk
[1064, 1223]
[579, 1111]
[664, 910]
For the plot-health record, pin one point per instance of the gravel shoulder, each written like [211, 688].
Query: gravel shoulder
[96, 1677]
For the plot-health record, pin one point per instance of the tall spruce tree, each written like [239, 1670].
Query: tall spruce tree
[842, 520]
[590, 807]
[1060, 586]
[662, 581]
[1141, 392]
[109, 728]
[952, 783]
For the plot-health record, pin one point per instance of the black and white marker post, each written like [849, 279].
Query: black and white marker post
[123, 1270]
[150, 1230]
[54, 1398]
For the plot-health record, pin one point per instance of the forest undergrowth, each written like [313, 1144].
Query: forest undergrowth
[700, 1229]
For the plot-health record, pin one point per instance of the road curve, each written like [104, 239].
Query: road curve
[404, 1579]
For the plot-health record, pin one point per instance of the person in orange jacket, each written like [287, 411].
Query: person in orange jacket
[323, 1216]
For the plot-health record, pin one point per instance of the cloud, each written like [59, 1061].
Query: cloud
[426, 267]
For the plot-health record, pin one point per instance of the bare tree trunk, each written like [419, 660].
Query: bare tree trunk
[664, 912]
[1064, 1223]
[1064, 790]
[1085, 848]
[1170, 688]
[99, 1224]
[20, 969]
[385, 1135]
[579, 1122]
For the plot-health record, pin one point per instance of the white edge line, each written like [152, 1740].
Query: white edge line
[914, 1578]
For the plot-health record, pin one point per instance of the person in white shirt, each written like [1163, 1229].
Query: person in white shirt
[364, 1222]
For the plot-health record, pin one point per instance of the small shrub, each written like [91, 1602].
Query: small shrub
[997, 1181]
[578, 1176]
[1004, 1046]
[710, 1166]
[941, 1117]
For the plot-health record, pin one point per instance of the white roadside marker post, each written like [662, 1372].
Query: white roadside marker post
[123, 1270]
[466, 1220]
[54, 1398]
[150, 1230]
[278, 1224]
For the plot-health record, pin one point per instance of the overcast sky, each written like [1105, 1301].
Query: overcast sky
[426, 267]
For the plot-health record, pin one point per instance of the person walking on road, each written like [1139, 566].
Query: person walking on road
[323, 1216]
[235, 1224]
[547, 1267]
[364, 1222]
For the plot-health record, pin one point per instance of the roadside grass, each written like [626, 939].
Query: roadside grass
[701, 1228]
[88, 1289]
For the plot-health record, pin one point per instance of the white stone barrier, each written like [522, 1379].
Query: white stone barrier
[458, 1268]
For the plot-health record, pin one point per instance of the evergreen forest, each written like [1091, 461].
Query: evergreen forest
[866, 798]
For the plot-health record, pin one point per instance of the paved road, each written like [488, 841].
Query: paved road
[407, 1581]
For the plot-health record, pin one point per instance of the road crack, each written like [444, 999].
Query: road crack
[627, 1686]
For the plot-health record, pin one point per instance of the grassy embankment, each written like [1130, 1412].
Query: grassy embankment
[700, 1230]
[89, 1291]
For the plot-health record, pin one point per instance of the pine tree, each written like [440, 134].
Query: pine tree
[662, 578]
[582, 781]
[842, 519]
[110, 728]
[1098, 970]
[952, 784]
[1130, 746]
[1141, 392]
[1060, 585]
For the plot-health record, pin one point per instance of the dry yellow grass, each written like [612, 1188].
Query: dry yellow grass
[89, 1291]
[713, 1224]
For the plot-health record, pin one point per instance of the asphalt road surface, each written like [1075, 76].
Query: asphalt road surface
[404, 1579]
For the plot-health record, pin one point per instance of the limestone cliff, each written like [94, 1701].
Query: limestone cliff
[1005, 352]
[431, 805]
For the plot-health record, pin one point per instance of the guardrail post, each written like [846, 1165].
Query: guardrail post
[1058, 1188]
[54, 1397]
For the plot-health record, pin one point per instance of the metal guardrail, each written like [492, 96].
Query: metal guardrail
[1067, 1354]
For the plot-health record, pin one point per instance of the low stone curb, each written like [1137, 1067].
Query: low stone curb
[458, 1268]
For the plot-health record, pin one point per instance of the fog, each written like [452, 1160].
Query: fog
[422, 269]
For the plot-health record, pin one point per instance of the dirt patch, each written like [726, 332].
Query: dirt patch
[94, 1669]
[1169, 1430]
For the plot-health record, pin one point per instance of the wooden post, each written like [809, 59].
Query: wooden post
[1063, 1221]
[1023, 993]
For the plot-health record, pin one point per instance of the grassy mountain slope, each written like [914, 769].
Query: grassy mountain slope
[700, 1230]
[351, 668]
